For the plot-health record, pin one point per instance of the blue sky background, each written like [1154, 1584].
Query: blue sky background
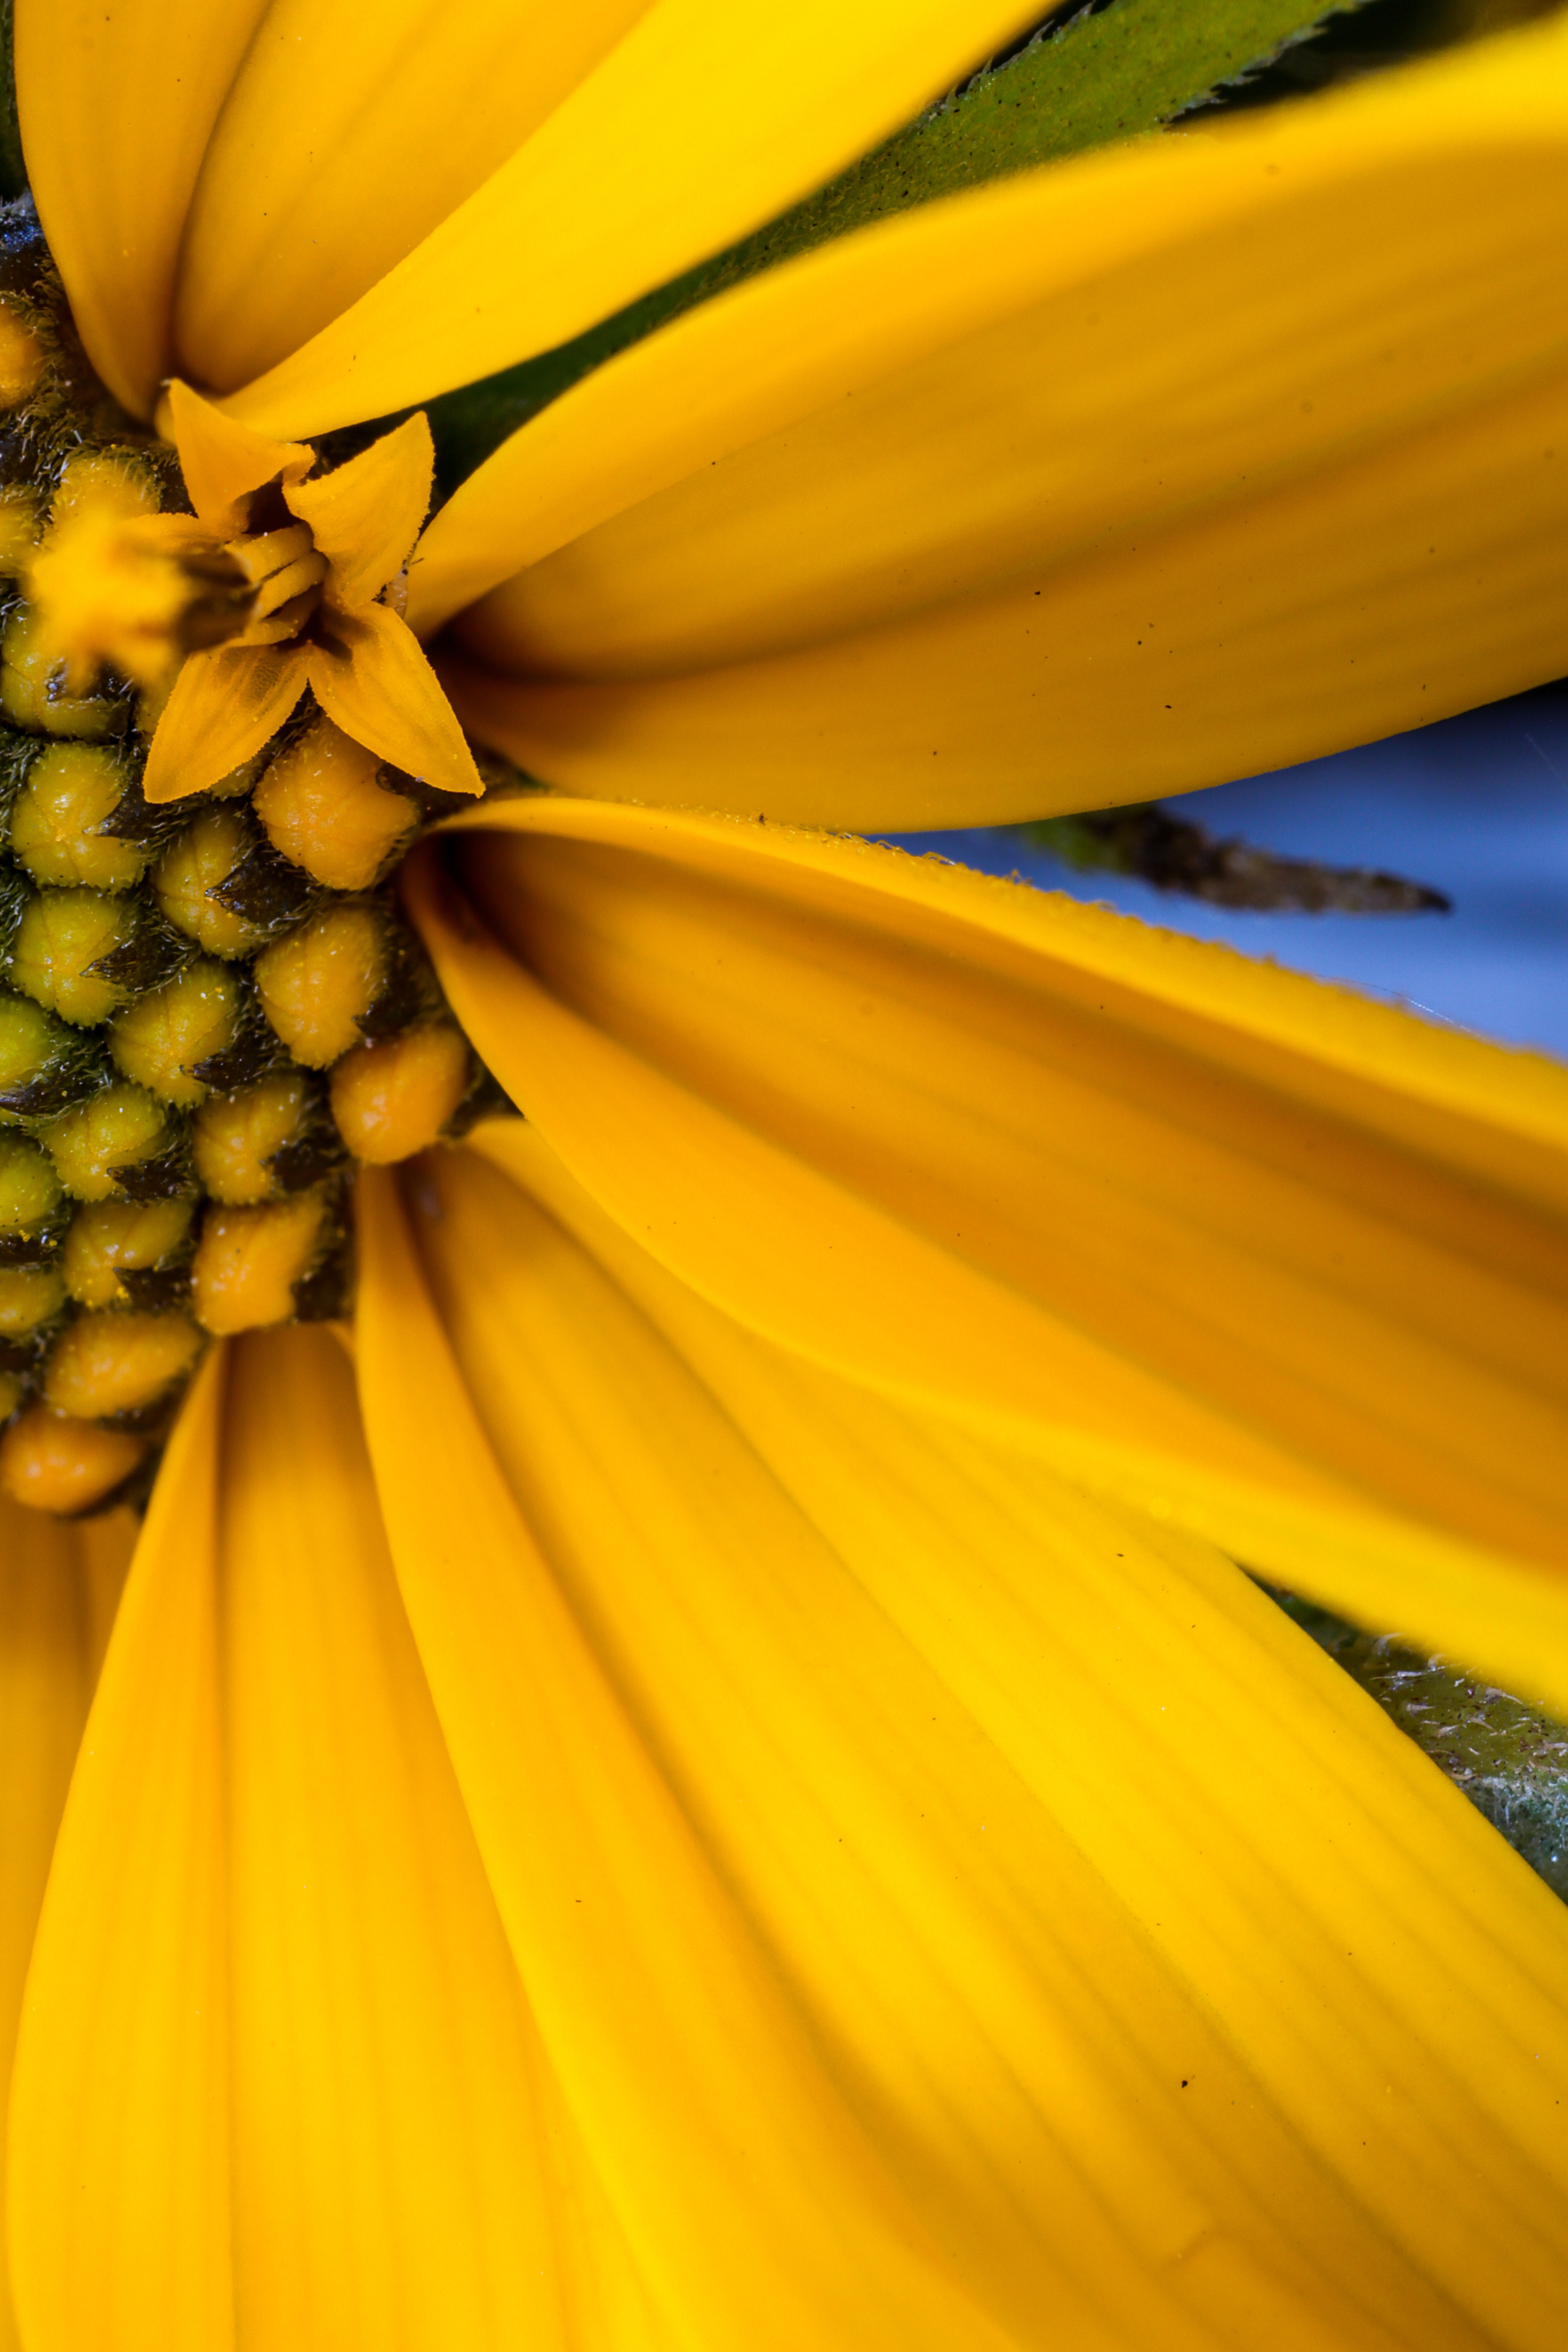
[1476, 805]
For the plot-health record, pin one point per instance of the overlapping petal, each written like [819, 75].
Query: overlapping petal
[699, 125]
[59, 1586]
[1285, 1264]
[366, 516]
[755, 2198]
[1184, 2001]
[117, 106]
[599, 150]
[118, 2213]
[1119, 480]
[1111, 339]
[278, 2076]
[419, 103]
[392, 2183]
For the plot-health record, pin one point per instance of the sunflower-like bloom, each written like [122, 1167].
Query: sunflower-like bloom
[703, 1776]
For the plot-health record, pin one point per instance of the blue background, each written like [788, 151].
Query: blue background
[1476, 805]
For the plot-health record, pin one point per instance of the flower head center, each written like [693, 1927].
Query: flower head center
[217, 738]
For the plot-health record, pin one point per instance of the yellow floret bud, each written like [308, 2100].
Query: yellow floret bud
[392, 1099]
[205, 856]
[13, 1389]
[158, 1039]
[323, 810]
[52, 1462]
[18, 531]
[30, 1296]
[62, 934]
[113, 1131]
[234, 1138]
[117, 1237]
[104, 481]
[43, 1063]
[317, 985]
[32, 691]
[247, 1262]
[70, 789]
[105, 1365]
[114, 581]
[30, 1189]
[22, 361]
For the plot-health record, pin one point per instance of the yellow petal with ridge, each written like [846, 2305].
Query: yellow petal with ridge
[223, 462]
[757, 2200]
[1139, 528]
[390, 2182]
[1001, 380]
[335, 99]
[58, 1588]
[1280, 1263]
[117, 106]
[365, 515]
[119, 2203]
[371, 677]
[227, 703]
[698, 126]
[1192, 2003]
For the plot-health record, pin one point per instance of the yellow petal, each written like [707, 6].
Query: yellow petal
[53, 1582]
[364, 517]
[699, 125]
[1365, 598]
[998, 383]
[1116, 1892]
[119, 2211]
[755, 2200]
[1318, 615]
[223, 462]
[1169, 383]
[225, 704]
[388, 2177]
[335, 100]
[117, 105]
[1285, 1264]
[371, 678]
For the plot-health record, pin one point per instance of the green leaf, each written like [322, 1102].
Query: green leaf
[1076, 85]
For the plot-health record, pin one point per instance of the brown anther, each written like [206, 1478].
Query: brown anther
[103, 1365]
[249, 1261]
[392, 1099]
[51, 1463]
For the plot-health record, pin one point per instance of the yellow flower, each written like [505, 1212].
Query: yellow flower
[705, 1777]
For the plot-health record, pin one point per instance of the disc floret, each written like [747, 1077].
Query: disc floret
[211, 1005]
